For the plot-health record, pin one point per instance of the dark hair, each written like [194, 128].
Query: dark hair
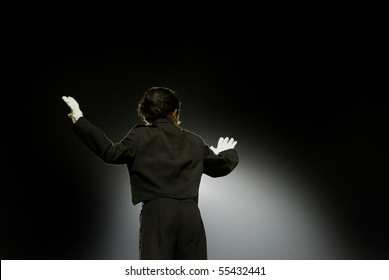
[159, 102]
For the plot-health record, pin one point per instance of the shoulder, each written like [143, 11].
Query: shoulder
[141, 126]
[193, 135]
[137, 129]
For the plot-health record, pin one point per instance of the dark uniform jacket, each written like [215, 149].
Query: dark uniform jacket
[163, 160]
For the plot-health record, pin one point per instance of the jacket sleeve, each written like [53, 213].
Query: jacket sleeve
[221, 164]
[96, 140]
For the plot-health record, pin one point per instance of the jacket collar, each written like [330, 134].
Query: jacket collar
[163, 120]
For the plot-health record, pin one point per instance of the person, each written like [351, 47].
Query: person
[165, 164]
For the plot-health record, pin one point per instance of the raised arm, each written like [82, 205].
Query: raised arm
[96, 140]
[221, 160]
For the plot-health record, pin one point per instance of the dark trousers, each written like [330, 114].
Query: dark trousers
[171, 229]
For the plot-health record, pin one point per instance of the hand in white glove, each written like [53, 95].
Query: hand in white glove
[224, 144]
[75, 112]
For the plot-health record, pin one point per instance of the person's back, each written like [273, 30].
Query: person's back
[168, 163]
[165, 165]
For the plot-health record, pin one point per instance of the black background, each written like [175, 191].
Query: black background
[313, 86]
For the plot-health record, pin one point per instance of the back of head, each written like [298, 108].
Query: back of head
[159, 102]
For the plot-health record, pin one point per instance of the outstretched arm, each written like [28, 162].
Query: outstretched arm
[221, 160]
[95, 139]
[75, 112]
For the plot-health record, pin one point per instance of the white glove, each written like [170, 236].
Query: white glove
[224, 144]
[75, 112]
